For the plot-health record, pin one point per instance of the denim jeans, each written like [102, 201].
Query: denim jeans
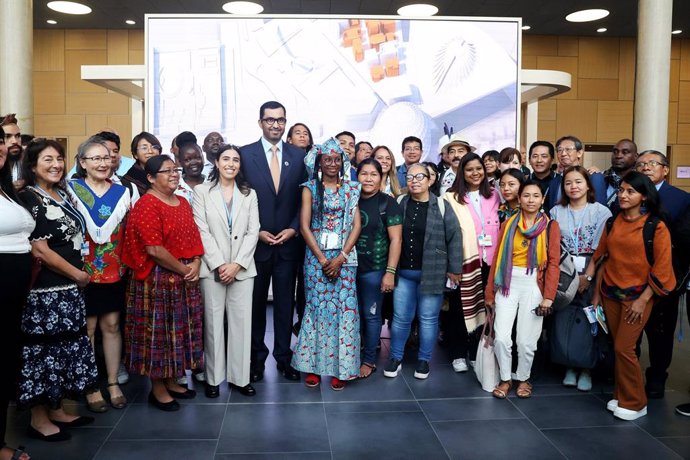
[408, 301]
[370, 302]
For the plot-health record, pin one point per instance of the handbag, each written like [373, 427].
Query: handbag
[568, 279]
[486, 366]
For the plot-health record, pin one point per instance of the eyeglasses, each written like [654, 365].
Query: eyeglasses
[650, 163]
[97, 160]
[331, 160]
[170, 171]
[272, 121]
[412, 149]
[148, 148]
[566, 149]
[418, 177]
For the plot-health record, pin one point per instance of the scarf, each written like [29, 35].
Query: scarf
[536, 252]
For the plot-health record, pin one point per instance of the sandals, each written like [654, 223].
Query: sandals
[524, 390]
[502, 389]
[371, 367]
[99, 406]
[337, 384]
[118, 402]
[312, 380]
[17, 453]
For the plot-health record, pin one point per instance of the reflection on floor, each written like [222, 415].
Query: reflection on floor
[445, 416]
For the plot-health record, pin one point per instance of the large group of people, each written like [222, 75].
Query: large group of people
[163, 264]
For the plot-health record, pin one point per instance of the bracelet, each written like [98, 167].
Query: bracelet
[390, 270]
[344, 255]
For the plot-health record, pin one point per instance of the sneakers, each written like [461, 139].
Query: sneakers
[392, 368]
[422, 370]
[473, 364]
[627, 414]
[612, 405]
[460, 365]
[683, 409]
[122, 375]
[570, 379]
[199, 376]
[584, 382]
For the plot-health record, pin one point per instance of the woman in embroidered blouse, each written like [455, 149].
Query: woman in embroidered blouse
[475, 205]
[386, 159]
[522, 283]
[163, 331]
[329, 340]
[629, 285]
[104, 206]
[57, 359]
[15, 274]
[144, 146]
[509, 185]
[582, 222]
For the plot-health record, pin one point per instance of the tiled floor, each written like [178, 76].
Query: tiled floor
[446, 416]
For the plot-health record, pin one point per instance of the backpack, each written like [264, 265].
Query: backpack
[648, 232]
[568, 279]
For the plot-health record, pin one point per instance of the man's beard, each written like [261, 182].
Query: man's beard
[14, 154]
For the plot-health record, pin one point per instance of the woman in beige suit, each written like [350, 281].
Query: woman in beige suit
[227, 213]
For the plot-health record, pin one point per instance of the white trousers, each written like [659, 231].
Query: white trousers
[229, 362]
[524, 297]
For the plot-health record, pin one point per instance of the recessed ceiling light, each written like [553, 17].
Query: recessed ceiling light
[418, 9]
[69, 7]
[602, 29]
[587, 15]
[526, 27]
[677, 31]
[51, 21]
[243, 8]
[130, 22]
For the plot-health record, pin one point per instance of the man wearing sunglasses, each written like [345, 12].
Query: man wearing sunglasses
[275, 170]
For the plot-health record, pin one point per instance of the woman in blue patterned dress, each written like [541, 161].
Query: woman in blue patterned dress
[329, 340]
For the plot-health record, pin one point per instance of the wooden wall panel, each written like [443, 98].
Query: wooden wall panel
[674, 80]
[578, 118]
[74, 59]
[626, 69]
[685, 59]
[684, 102]
[614, 121]
[568, 46]
[59, 125]
[136, 40]
[683, 133]
[538, 45]
[546, 130]
[672, 122]
[565, 64]
[598, 57]
[122, 124]
[85, 39]
[49, 92]
[103, 103]
[96, 123]
[529, 62]
[136, 56]
[680, 157]
[118, 47]
[547, 109]
[597, 89]
[49, 50]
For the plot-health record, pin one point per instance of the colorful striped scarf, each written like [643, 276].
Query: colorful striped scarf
[536, 252]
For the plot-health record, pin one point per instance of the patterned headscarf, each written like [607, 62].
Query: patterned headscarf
[330, 146]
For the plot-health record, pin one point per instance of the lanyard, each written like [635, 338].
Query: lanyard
[65, 206]
[228, 214]
[575, 228]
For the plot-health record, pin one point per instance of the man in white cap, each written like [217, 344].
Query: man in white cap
[453, 150]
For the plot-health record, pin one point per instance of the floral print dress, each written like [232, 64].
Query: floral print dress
[57, 358]
[329, 339]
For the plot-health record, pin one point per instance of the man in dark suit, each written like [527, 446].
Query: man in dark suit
[275, 170]
[623, 158]
[570, 150]
[662, 321]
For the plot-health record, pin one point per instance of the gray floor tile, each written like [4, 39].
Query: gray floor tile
[149, 449]
[443, 382]
[369, 435]
[493, 439]
[388, 406]
[84, 444]
[277, 392]
[274, 428]
[375, 388]
[566, 411]
[192, 421]
[487, 408]
[277, 456]
[680, 445]
[612, 442]
[662, 419]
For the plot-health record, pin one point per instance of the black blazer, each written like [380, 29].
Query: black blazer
[673, 200]
[277, 211]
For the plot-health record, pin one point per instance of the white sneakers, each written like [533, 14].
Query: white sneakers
[627, 414]
[570, 379]
[612, 405]
[460, 365]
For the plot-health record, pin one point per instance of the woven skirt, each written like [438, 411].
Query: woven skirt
[163, 330]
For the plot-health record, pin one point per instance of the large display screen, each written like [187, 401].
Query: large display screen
[381, 78]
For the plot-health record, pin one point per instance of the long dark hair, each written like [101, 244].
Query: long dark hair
[6, 174]
[591, 197]
[644, 185]
[241, 182]
[311, 138]
[33, 151]
[459, 187]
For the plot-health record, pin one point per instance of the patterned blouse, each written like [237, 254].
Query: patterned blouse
[581, 229]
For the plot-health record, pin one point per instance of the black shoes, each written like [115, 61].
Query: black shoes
[55, 437]
[392, 368]
[247, 390]
[187, 394]
[212, 391]
[422, 370]
[256, 375]
[171, 406]
[288, 371]
[77, 422]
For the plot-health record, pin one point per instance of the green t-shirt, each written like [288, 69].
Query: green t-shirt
[373, 242]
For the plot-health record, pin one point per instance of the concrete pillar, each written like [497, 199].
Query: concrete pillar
[16, 61]
[652, 74]
[531, 124]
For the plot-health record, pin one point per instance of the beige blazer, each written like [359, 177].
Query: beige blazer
[219, 245]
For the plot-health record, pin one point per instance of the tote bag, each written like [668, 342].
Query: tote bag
[486, 367]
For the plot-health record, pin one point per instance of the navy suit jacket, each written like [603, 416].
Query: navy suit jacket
[553, 195]
[277, 211]
[673, 200]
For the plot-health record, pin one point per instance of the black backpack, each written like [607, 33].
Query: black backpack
[648, 232]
